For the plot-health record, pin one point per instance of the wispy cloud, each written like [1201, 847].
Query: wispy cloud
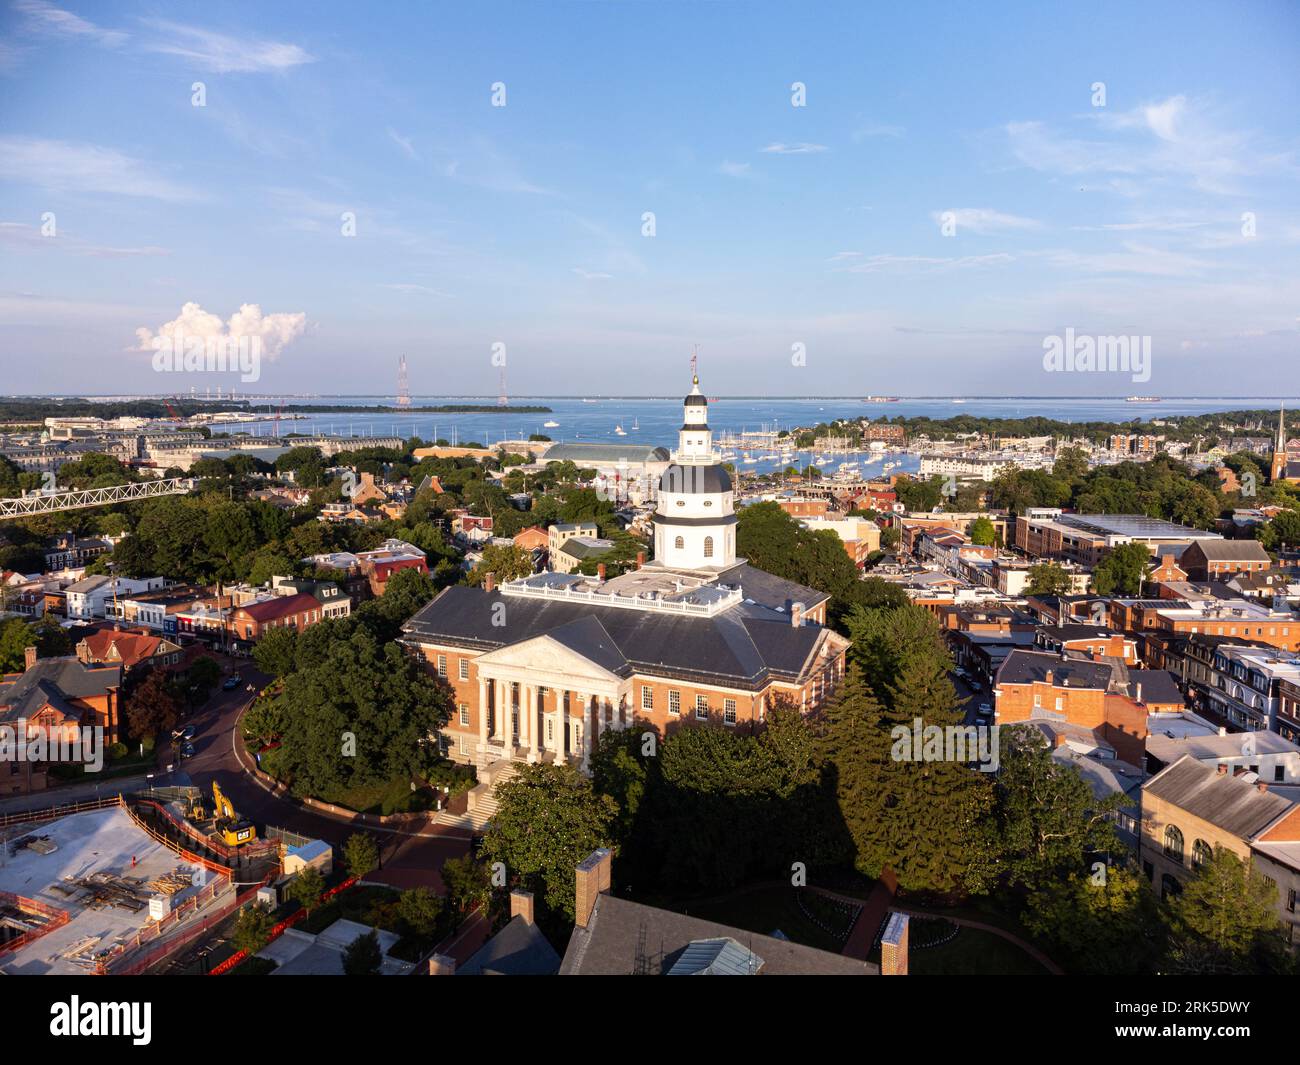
[588, 275]
[47, 20]
[402, 142]
[982, 220]
[802, 148]
[224, 53]
[736, 170]
[1176, 139]
[66, 166]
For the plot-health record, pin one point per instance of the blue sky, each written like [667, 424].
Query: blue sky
[822, 226]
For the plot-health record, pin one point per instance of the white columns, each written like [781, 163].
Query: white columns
[558, 738]
[482, 711]
[528, 721]
[586, 732]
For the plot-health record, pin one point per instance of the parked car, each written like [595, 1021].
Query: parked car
[187, 749]
[232, 682]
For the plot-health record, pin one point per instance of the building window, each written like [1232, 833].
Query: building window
[442, 665]
[464, 715]
[647, 697]
[674, 703]
[1060, 703]
[679, 543]
[1201, 853]
[464, 669]
[1290, 900]
[729, 711]
[1174, 844]
[708, 547]
[701, 708]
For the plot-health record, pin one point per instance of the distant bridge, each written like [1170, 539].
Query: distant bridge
[81, 498]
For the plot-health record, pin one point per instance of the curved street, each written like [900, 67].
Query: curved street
[409, 856]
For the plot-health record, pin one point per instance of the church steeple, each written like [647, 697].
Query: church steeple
[1277, 471]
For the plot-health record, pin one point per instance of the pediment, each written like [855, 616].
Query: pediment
[544, 654]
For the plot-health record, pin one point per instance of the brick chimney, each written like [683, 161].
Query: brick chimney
[29, 658]
[796, 615]
[893, 945]
[592, 880]
[490, 582]
[1261, 785]
[600, 572]
[1223, 769]
[442, 965]
[521, 905]
[640, 559]
[1048, 677]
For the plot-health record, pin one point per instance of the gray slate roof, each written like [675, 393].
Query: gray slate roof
[1228, 802]
[519, 949]
[608, 945]
[1232, 550]
[1028, 667]
[55, 680]
[745, 645]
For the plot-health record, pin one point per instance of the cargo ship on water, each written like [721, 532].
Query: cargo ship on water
[1141, 399]
[880, 399]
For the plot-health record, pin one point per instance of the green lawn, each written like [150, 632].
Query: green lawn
[974, 953]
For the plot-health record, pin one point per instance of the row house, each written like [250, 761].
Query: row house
[139, 650]
[1244, 688]
[248, 623]
[1236, 618]
[86, 599]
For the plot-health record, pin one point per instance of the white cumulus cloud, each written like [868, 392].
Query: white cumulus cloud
[276, 331]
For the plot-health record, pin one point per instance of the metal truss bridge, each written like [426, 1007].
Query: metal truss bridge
[81, 498]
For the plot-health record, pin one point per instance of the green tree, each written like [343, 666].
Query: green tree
[419, 908]
[360, 854]
[1122, 570]
[363, 957]
[1282, 532]
[1226, 920]
[1048, 578]
[982, 532]
[275, 651]
[467, 881]
[307, 888]
[252, 929]
[505, 561]
[1098, 923]
[548, 819]
[1048, 819]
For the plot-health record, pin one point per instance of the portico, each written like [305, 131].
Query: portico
[542, 701]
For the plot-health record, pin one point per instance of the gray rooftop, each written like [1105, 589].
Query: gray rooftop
[1231, 803]
[747, 644]
[519, 949]
[608, 946]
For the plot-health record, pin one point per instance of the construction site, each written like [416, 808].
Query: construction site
[118, 888]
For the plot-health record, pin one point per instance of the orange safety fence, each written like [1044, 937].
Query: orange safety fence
[217, 846]
[279, 929]
[54, 918]
[172, 845]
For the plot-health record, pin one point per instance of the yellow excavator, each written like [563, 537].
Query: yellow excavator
[235, 830]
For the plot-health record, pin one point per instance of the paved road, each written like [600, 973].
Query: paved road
[409, 857]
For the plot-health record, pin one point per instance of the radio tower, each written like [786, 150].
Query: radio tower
[403, 390]
[502, 400]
